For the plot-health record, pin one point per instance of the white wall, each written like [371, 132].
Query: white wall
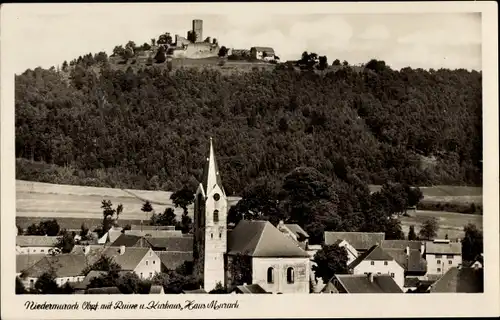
[301, 274]
[149, 265]
[440, 264]
[352, 253]
[36, 250]
[380, 267]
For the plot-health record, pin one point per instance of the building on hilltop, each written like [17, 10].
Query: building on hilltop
[262, 53]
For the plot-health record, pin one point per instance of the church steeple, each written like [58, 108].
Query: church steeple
[211, 175]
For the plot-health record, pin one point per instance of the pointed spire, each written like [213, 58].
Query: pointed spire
[211, 176]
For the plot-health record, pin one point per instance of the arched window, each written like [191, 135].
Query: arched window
[216, 216]
[289, 275]
[211, 236]
[270, 275]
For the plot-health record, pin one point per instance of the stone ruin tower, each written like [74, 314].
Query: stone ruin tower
[198, 30]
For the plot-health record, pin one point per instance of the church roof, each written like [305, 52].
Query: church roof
[211, 176]
[261, 239]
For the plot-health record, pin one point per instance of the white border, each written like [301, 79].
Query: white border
[255, 306]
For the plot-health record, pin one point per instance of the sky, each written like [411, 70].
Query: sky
[419, 40]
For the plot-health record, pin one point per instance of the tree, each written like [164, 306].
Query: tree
[66, 242]
[147, 207]
[46, 284]
[65, 66]
[186, 222]
[323, 63]
[411, 234]
[240, 268]
[345, 63]
[330, 260]
[429, 229]
[105, 263]
[336, 62]
[20, 289]
[472, 243]
[182, 198]
[219, 289]
[167, 218]
[131, 45]
[146, 46]
[118, 51]
[119, 210]
[161, 55]
[415, 195]
[128, 283]
[108, 212]
[45, 228]
[20, 230]
[84, 231]
[222, 52]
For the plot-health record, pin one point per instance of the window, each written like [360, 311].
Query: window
[42, 250]
[146, 262]
[270, 275]
[34, 250]
[150, 274]
[216, 216]
[211, 236]
[439, 269]
[289, 275]
[449, 256]
[438, 262]
[216, 197]
[220, 235]
[378, 273]
[438, 256]
[385, 263]
[392, 274]
[450, 261]
[153, 262]
[141, 274]
[32, 283]
[372, 263]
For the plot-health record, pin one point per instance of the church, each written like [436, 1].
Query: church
[273, 260]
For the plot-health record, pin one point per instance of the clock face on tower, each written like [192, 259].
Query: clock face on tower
[216, 197]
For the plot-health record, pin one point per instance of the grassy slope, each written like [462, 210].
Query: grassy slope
[73, 205]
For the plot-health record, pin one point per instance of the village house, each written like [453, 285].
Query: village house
[24, 261]
[249, 289]
[442, 255]
[365, 283]
[262, 53]
[142, 261]
[377, 261]
[35, 244]
[110, 236]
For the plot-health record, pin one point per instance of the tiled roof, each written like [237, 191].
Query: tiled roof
[94, 253]
[126, 240]
[329, 288]
[443, 248]
[64, 265]
[145, 227]
[250, 288]
[262, 239]
[411, 282]
[105, 290]
[129, 259]
[171, 259]
[414, 263]
[24, 261]
[194, 291]
[401, 244]
[183, 244]
[297, 230]
[36, 241]
[88, 278]
[362, 284]
[374, 253]
[359, 240]
[264, 49]
[156, 289]
[463, 280]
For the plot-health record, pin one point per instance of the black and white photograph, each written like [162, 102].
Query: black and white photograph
[162, 152]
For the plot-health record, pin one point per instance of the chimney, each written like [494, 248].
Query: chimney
[370, 277]
[422, 248]
[122, 250]
[407, 251]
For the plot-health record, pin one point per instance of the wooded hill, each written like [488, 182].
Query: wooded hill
[149, 129]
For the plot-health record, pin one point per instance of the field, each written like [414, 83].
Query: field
[39, 200]
[448, 194]
[73, 205]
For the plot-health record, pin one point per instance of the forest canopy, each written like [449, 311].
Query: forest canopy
[148, 128]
